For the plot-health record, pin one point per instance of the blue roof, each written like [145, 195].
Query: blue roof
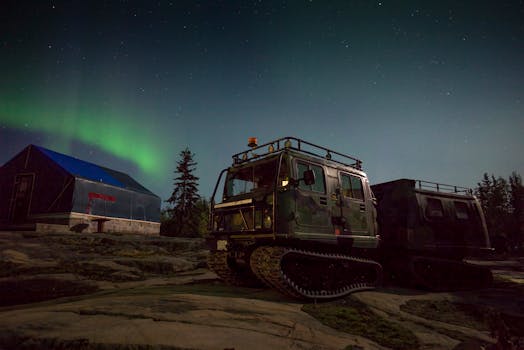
[90, 171]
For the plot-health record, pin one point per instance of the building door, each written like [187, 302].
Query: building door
[22, 193]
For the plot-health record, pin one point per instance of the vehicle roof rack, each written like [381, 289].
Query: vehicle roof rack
[299, 145]
[434, 186]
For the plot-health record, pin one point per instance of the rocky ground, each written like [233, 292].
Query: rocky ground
[107, 291]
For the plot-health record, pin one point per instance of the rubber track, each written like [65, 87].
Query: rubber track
[266, 264]
[217, 262]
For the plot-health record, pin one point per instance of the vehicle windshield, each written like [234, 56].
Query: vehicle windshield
[248, 179]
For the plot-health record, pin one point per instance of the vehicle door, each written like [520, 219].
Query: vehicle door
[353, 205]
[311, 213]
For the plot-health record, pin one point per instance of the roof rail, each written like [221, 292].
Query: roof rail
[299, 145]
[434, 186]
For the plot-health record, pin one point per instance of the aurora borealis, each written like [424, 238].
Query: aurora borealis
[432, 91]
[110, 132]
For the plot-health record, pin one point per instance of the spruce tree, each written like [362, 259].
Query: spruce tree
[184, 211]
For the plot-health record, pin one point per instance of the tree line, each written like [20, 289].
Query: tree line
[502, 201]
[503, 204]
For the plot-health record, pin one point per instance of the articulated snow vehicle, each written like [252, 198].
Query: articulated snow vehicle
[427, 229]
[302, 219]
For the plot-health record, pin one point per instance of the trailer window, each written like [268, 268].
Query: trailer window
[461, 210]
[434, 208]
[352, 186]
[319, 185]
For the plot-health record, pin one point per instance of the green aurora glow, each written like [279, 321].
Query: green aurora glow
[109, 131]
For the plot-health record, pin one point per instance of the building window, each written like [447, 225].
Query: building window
[319, 185]
[352, 186]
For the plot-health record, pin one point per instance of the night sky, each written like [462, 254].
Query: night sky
[430, 90]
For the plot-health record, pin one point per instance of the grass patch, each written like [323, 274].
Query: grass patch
[103, 273]
[14, 340]
[505, 283]
[150, 266]
[16, 292]
[8, 268]
[130, 316]
[86, 269]
[85, 312]
[354, 317]
[223, 290]
[471, 316]
[173, 306]
[207, 288]
[242, 312]
[31, 234]
[174, 245]
[478, 317]
[140, 253]
[454, 334]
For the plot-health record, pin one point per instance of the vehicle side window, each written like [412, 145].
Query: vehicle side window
[352, 186]
[434, 208]
[461, 210]
[356, 187]
[320, 183]
[346, 185]
[301, 168]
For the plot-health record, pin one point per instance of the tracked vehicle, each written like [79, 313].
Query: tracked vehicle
[427, 230]
[302, 219]
[297, 217]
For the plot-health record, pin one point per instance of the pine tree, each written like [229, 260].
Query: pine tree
[184, 211]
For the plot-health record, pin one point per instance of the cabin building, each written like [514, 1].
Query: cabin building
[45, 190]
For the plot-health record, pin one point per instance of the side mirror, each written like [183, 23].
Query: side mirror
[309, 177]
